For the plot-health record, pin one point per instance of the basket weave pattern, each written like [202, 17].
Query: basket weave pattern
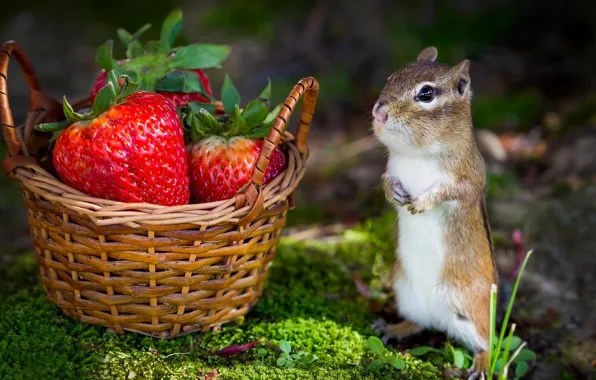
[156, 270]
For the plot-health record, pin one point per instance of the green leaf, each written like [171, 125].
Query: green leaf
[196, 107]
[238, 122]
[375, 345]
[290, 364]
[521, 369]
[514, 343]
[134, 49]
[286, 356]
[285, 346]
[124, 36]
[140, 31]
[498, 365]
[375, 365]
[69, 113]
[210, 123]
[266, 93]
[103, 56]
[458, 358]
[273, 114]
[200, 56]
[52, 127]
[255, 113]
[262, 352]
[111, 77]
[229, 95]
[419, 351]
[396, 362]
[170, 29]
[180, 81]
[311, 358]
[106, 97]
[152, 47]
[524, 355]
[280, 362]
[128, 87]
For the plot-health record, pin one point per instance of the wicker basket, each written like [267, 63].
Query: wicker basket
[155, 270]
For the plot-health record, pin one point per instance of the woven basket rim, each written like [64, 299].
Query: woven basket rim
[104, 212]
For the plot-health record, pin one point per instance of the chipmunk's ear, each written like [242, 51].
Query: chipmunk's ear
[428, 54]
[461, 72]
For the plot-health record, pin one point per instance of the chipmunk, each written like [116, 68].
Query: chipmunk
[436, 179]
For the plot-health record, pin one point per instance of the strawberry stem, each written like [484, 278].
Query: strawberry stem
[254, 122]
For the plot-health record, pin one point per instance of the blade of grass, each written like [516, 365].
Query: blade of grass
[493, 321]
[515, 353]
[510, 306]
[503, 374]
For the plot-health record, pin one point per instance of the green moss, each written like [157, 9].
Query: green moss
[309, 300]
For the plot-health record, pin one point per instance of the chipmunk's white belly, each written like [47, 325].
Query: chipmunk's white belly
[421, 296]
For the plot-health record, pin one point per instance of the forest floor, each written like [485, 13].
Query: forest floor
[338, 245]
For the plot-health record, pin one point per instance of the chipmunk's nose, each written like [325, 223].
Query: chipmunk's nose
[380, 111]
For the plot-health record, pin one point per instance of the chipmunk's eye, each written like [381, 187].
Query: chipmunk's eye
[426, 94]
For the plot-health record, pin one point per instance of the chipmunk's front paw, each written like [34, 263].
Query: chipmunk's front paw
[395, 192]
[421, 204]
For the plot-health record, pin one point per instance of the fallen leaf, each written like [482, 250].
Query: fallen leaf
[233, 350]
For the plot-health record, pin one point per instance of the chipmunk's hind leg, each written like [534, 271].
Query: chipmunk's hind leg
[479, 370]
[396, 330]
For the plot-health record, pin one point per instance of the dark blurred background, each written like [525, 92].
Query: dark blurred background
[534, 109]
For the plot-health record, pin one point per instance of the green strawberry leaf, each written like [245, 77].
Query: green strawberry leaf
[272, 115]
[180, 81]
[134, 49]
[208, 125]
[255, 113]
[195, 107]
[69, 112]
[196, 126]
[229, 95]
[152, 47]
[261, 131]
[170, 29]
[124, 36]
[103, 56]
[266, 93]
[200, 56]
[128, 87]
[238, 122]
[113, 79]
[106, 97]
[52, 127]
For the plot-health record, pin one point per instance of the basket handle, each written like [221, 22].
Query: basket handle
[307, 87]
[37, 100]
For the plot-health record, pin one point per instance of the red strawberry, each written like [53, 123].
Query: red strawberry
[174, 72]
[224, 151]
[128, 148]
[219, 167]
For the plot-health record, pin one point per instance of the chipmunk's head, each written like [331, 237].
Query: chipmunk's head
[424, 105]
